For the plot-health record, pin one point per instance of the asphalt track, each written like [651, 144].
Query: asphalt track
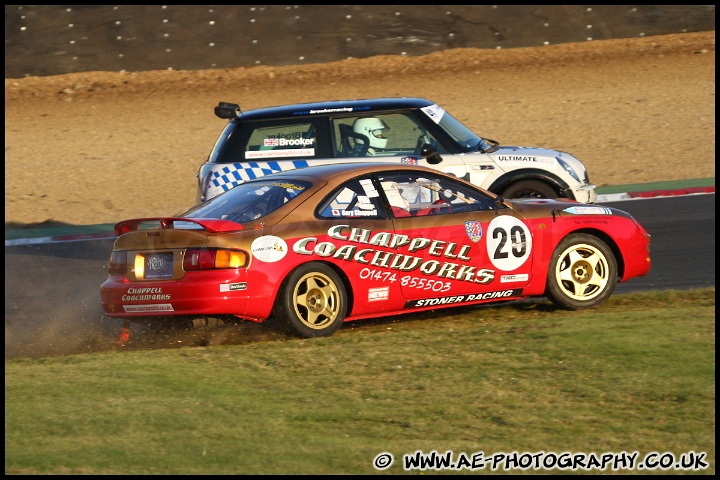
[52, 281]
[38, 234]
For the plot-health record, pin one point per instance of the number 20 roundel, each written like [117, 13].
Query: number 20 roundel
[509, 243]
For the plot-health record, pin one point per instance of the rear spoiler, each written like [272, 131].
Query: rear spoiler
[213, 225]
[227, 110]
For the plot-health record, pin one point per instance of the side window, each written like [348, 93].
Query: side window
[354, 199]
[413, 194]
[379, 135]
[280, 140]
[273, 139]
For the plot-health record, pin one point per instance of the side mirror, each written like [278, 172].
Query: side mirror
[430, 154]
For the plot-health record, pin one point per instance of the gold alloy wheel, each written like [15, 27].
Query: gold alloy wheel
[316, 300]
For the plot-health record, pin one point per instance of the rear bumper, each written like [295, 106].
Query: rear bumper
[204, 296]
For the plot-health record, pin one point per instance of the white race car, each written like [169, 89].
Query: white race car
[407, 131]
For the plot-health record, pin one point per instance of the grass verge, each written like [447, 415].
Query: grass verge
[636, 374]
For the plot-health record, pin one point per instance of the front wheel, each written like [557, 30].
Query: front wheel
[583, 272]
[529, 189]
[312, 301]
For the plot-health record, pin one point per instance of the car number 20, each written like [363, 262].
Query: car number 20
[509, 242]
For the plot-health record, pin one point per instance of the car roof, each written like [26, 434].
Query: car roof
[340, 171]
[336, 106]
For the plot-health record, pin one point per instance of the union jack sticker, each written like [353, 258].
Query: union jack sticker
[474, 230]
[271, 142]
[409, 160]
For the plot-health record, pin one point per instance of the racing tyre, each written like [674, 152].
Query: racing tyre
[529, 189]
[582, 273]
[312, 301]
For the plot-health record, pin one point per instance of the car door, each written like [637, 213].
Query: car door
[457, 244]
[360, 240]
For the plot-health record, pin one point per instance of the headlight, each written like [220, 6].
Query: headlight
[568, 169]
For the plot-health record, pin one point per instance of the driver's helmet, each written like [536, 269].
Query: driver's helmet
[371, 127]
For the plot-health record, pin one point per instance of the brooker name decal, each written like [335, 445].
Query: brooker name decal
[430, 302]
[365, 254]
[288, 141]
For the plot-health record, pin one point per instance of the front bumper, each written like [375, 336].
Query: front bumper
[583, 193]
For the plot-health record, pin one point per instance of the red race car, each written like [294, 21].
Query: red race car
[318, 246]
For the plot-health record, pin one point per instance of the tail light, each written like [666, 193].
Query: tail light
[118, 263]
[212, 258]
[195, 259]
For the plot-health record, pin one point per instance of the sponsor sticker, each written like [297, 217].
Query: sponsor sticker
[451, 300]
[145, 293]
[589, 210]
[520, 277]
[287, 152]
[435, 112]
[369, 188]
[232, 287]
[526, 160]
[158, 307]
[332, 110]
[474, 230]
[376, 294]
[269, 248]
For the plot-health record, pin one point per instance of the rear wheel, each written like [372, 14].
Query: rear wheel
[312, 302]
[529, 189]
[582, 273]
